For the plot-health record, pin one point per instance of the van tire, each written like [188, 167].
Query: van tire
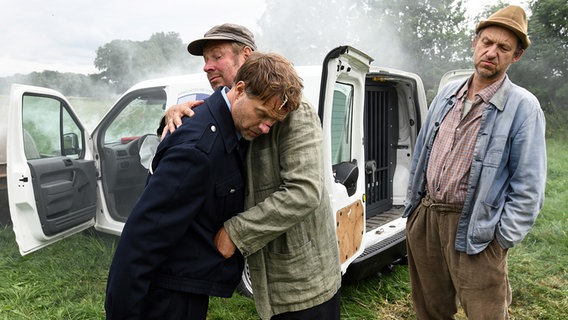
[245, 286]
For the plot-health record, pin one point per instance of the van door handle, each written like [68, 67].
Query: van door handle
[67, 162]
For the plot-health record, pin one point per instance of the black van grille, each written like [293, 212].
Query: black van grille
[381, 135]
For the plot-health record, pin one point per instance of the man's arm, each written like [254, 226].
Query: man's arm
[176, 112]
[527, 181]
[293, 192]
[224, 244]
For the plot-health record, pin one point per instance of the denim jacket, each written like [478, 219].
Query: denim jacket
[508, 170]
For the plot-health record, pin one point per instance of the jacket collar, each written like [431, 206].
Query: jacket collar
[224, 118]
[499, 98]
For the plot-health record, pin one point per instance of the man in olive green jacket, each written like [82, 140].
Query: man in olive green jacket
[288, 235]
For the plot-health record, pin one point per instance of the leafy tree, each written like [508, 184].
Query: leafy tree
[436, 35]
[428, 37]
[544, 67]
[304, 31]
[124, 62]
[70, 84]
[114, 60]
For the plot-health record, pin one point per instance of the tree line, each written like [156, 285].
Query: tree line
[121, 63]
[427, 37]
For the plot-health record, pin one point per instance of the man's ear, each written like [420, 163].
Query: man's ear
[239, 88]
[247, 51]
[518, 55]
[474, 41]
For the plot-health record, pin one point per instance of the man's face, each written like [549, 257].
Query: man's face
[251, 116]
[493, 52]
[221, 63]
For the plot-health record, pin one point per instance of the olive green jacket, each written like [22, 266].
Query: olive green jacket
[288, 235]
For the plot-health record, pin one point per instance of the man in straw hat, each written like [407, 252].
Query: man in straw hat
[477, 180]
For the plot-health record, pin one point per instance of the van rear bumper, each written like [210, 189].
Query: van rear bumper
[376, 257]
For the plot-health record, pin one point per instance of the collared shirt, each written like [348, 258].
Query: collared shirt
[224, 92]
[452, 151]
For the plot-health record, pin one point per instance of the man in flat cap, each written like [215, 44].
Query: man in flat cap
[166, 264]
[477, 180]
[286, 232]
[224, 48]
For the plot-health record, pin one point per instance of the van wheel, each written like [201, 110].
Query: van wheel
[245, 286]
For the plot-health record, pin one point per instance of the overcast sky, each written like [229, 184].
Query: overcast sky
[63, 35]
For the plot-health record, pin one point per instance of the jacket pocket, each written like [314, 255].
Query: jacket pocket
[294, 276]
[483, 235]
[229, 194]
[495, 151]
[484, 224]
[265, 170]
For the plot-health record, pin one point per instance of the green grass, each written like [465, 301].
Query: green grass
[63, 281]
[67, 280]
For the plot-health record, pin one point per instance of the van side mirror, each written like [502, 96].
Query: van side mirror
[71, 144]
[347, 174]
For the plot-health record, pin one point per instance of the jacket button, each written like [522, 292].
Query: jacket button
[213, 128]
[233, 190]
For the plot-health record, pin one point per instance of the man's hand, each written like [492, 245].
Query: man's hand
[176, 112]
[224, 244]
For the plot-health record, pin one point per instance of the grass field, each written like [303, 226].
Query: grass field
[67, 280]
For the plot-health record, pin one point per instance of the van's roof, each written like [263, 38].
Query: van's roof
[311, 75]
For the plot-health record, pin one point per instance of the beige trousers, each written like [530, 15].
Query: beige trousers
[442, 277]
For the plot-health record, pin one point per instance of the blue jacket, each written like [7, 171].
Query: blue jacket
[167, 242]
[508, 171]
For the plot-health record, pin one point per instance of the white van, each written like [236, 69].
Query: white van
[62, 179]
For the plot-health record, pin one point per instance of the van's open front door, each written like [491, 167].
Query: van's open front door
[340, 108]
[51, 175]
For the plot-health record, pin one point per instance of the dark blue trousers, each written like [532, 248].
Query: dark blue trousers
[169, 304]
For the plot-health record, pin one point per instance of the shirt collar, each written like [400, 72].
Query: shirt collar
[486, 94]
[224, 91]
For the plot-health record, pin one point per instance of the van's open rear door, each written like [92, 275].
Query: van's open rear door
[51, 176]
[342, 95]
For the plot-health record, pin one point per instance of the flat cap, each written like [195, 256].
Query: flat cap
[223, 32]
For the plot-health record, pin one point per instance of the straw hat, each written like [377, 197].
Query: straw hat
[512, 18]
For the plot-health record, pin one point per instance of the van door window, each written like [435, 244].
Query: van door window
[134, 120]
[341, 123]
[63, 137]
[139, 117]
